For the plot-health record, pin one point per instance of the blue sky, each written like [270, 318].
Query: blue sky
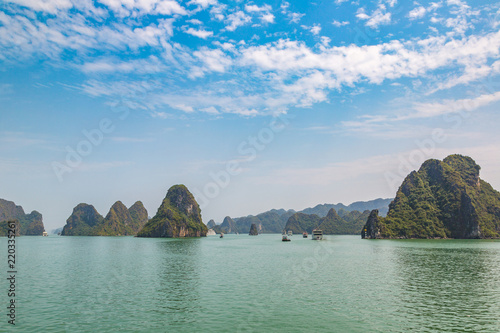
[253, 105]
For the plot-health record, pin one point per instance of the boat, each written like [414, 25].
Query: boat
[221, 235]
[304, 234]
[285, 238]
[45, 234]
[317, 234]
[290, 233]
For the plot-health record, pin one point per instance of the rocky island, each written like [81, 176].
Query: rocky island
[28, 224]
[253, 230]
[120, 221]
[443, 199]
[178, 216]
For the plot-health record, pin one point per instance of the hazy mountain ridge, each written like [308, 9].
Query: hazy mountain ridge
[275, 220]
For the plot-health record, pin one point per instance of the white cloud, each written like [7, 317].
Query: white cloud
[379, 17]
[339, 24]
[214, 60]
[417, 13]
[255, 8]
[315, 29]
[426, 110]
[144, 7]
[203, 3]
[194, 21]
[210, 110]
[49, 6]
[267, 18]
[150, 65]
[236, 20]
[295, 17]
[199, 33]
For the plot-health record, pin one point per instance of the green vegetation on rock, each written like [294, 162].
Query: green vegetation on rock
[120, 221]
[178, 216]
[443, 199]
[29, 224]
[84, 221]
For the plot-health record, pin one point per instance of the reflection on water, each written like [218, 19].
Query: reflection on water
[453, 288]
[178, 281]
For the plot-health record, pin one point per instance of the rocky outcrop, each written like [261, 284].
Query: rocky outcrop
[228, 226]
[139, 216]
[211, 224]
[443, 199]
[372, 227]
[84, 221]
[253, 230]
[29, 224]
[178, 216]
[120, 221]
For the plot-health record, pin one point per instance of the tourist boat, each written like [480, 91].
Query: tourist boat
[290, 233]
[221, 235]
[317, 234]
[285, 238]
[304, 234]
[45, 233]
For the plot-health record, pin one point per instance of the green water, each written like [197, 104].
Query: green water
[253, 284]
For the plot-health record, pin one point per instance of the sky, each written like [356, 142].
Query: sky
[253, 105]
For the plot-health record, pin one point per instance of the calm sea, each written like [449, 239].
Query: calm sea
[253, 284]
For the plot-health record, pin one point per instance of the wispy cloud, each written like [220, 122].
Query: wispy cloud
[199, 33]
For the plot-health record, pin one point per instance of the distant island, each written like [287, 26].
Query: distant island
[342, 220]
[120, 221]
[348, 223]
[443, 199]
[28, 224]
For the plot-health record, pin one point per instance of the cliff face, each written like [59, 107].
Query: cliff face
[228, 226]
[139, 216]
[32, 224]
[178, 216]
[29, 224]
[372, 226]
[253, 230]
[118, 222]
[82, 221]
[443, 199]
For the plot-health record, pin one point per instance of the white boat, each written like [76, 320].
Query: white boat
[290, 233]
[45, 234]
[317, 234]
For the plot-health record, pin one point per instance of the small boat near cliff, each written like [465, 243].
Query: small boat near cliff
[284, 238]
[304, 234]
[221, 235]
